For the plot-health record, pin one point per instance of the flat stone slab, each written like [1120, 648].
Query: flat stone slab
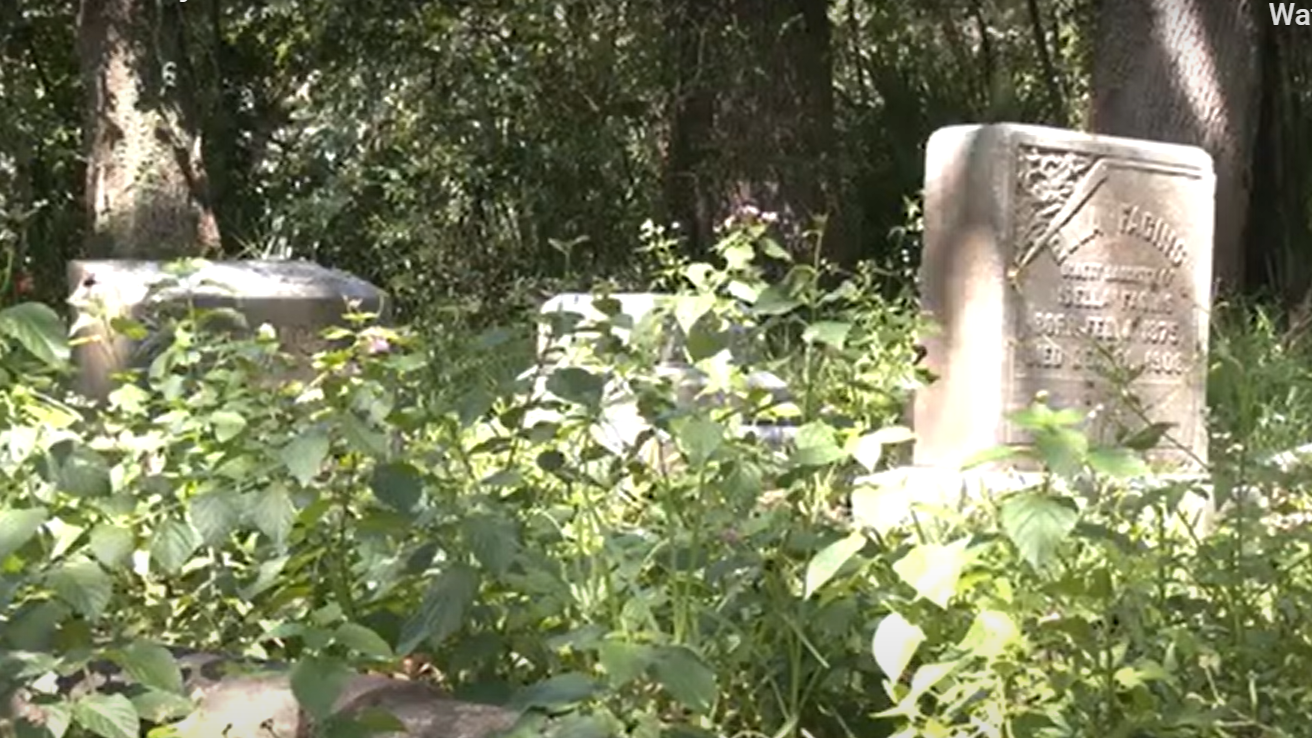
[1069, 265]
[260, 703]
[297, 298]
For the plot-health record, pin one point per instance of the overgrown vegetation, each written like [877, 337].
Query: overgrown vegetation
[578, 541]
[610, 539]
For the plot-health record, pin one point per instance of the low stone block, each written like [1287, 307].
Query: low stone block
[298, 298]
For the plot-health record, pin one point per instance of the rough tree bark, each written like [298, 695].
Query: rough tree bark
[1187, 71]
[146, 192]
[752, 117]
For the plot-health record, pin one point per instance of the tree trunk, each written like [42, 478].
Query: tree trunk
[1187, 71]
[752, 118]
[146, 192]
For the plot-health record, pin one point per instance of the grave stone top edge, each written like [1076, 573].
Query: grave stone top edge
[243, 279]
[1160, 152]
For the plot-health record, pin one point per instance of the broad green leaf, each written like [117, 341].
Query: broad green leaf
[83, 585]
[824, 565]
[743, 291]
[39, 329]
[112, 545]
[816, 445]
[1039, 416]
[273, 513]
[317, 682]
[551, 460]
[151, 665]
[363, 438]
[624, 661]
[738, 255]
[895, 643]
[1117, 463]
[215, 515]
[934, 570]
[772, 249]
[929, 675]
[576, 385]
[172, 545]
[107, 715]
[1037, 523]
[227, 425]
[555, 694]
[162, 707]
[699, 438]
[492, 540]
[1062, 450]
[775, 300]
[829, 333]
[267, 576]
[397, 484]
[363, 640]
[686, 677]
[80, 470]
[18, 526]
[688, 309]
[305, 455]
[1143, 672]
[443, 609]
[704, 341]
[990, 635]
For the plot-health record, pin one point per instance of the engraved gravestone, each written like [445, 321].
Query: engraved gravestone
[1069, 264]
[297, 298]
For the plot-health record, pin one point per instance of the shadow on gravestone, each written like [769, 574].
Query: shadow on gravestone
[297, 298]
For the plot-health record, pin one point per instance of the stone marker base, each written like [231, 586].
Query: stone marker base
[906, 495]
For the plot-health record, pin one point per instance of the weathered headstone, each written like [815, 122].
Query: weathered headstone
[299, 299]
[1053, 261]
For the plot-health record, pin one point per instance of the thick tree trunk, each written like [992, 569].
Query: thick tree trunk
[146, 192]
[1187, 71]
[752, 118]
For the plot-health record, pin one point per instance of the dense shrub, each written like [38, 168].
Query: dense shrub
[688, 578]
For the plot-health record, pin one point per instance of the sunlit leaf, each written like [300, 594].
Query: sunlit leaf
[895, 643]
[934, 570]
[824, 565]
[38, 329]
[18, 526]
